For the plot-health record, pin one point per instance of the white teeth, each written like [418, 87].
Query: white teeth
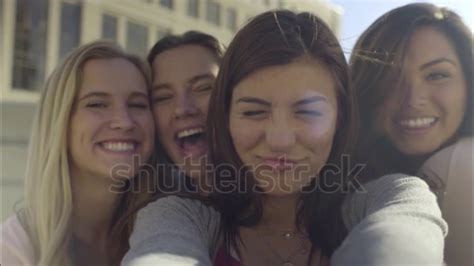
[119, 146]
[417, 122]
[190, 132]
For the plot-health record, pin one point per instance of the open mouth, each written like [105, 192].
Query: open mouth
[192, 142]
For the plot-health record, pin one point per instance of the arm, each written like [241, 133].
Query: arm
[396, 221]
[173, 231]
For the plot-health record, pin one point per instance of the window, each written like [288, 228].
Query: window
[109, 27]
[193, 8]
[70, 27]
[167, 3]
[231, 19]
[29, 55]
[137, 38]
[213, 12]
[162, 33]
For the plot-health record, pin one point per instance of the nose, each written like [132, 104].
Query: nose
[122, 119]
[185, 106]
[279, 135]
[414, 95]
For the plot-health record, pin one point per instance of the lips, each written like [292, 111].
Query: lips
[279, 163]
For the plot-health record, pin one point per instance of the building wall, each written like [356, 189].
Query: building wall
[18, 104]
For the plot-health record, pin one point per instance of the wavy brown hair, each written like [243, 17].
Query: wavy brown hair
[375, 63]
[279, 38]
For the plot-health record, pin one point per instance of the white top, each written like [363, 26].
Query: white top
[452, 168]
[15, 246]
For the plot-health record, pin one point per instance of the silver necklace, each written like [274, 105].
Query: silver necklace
[285, 261]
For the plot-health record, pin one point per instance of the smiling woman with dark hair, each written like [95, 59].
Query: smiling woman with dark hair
[282, 117]
[412, 70]
[184, 69]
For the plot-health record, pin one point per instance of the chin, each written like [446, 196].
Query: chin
[417, 150]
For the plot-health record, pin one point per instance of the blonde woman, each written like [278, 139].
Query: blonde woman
[93, 131]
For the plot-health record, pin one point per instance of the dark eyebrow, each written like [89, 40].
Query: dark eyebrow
[253, 100]
[437, 61]
[94, 94]
[310, 100]
[200, 77]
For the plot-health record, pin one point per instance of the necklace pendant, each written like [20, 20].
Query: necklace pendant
[287, 264]
[288, 235]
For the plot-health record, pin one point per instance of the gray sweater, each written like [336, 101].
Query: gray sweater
[395, 221]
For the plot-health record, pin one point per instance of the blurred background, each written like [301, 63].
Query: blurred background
[35, 35]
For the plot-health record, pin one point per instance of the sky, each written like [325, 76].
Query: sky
[359, 14]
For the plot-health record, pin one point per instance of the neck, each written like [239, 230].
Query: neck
[279, 212]
[94, 205]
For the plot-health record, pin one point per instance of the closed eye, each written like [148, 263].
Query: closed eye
[253, 113]
[204, 88]
[158, 99]
[96, 105]
[309, 112]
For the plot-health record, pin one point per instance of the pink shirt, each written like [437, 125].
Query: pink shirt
[15, 245]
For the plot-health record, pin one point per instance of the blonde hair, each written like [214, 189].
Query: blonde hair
[48, 197]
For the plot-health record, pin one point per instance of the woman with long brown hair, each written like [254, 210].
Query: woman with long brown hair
[412, 70]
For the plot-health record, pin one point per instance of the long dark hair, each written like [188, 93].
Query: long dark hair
[375, 63]
[279, 38]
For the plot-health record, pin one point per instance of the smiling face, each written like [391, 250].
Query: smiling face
[183, 80]
[111, 121]
[428, 106]
[282, 123]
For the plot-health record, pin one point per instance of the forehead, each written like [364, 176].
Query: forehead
[184, 62]
[114, 75]
[427, 43]
[289, 82]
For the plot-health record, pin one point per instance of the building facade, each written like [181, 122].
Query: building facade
[35, 35]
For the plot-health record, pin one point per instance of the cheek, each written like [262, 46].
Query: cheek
[242, 137]
[77, 130]
[162, 117]
[321, 126]
[453, 101]
[203, 103]
[384, 114]
[146, 123]
[319, 143]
